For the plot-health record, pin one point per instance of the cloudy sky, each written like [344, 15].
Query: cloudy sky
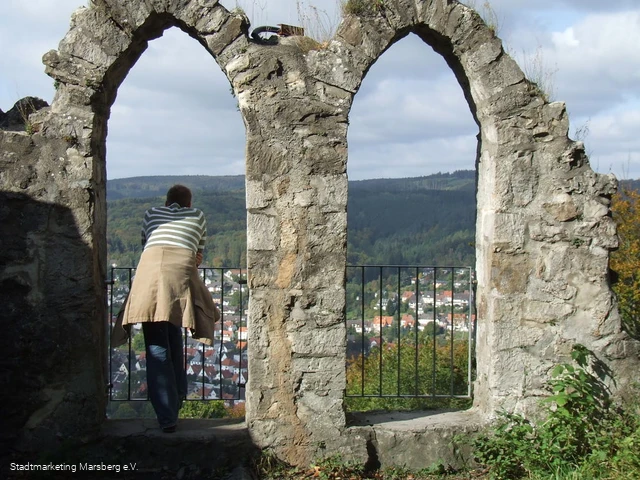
[175, 114]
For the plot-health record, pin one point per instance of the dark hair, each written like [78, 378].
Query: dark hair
[179, 194]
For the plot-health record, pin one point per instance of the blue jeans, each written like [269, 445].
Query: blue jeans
[166, 378]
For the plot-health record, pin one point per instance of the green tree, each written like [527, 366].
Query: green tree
[137, 342]
[429, 376]
[429, 329]
[391, 307]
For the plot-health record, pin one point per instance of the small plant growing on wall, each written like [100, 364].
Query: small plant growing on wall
[487, 12]
[362, 7]
[26, 108]
[318, 24]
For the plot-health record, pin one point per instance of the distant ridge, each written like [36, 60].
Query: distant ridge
[426, 220]
[458, 180]
[157, 186]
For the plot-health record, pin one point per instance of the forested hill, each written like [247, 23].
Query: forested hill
[422, 220]
[459, 180]
[145, 187]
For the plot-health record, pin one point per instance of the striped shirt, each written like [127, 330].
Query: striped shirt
[174, 226]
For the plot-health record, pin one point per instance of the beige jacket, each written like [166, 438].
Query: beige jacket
[167, 288]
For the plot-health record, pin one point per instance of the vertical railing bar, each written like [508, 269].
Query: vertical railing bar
[203, 370]
[221, 329]
[362, 319]
[202, 363]
[110, 353]
[472, 328]
[451, 360]
[129, 358]
[415, 332]
[206, 273]
[380, 293]
[379, 342]
[380, 393]
[397, 316]
[433, 366]
[240, 341]
[380, 277]
[398, 334]
[242, 344]
[471, 323]
[184, 348]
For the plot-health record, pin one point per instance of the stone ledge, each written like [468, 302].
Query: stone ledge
[204, 445]
[188, 428]
[417, 440]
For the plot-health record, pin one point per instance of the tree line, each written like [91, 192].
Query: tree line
[389, 221]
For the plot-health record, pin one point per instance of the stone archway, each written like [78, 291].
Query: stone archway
[63, 164]
[543, 229]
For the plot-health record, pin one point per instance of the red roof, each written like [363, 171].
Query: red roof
[384, 320]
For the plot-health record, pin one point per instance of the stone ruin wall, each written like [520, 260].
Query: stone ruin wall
[544, 232]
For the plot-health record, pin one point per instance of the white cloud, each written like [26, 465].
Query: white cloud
[410, 110]
[609, 137]
[604, 45]
[566, 39]
[410, 105]
[174, 112]
[596, 62]
[29, 29]
[399, 160]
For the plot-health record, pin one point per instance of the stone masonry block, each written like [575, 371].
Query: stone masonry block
[265, 232]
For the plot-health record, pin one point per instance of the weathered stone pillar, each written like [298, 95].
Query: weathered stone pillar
[296, 202]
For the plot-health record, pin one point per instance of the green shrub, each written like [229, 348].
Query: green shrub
[202, 409]
[583, 434]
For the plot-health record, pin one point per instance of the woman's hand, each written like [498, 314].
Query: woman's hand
[198, 259]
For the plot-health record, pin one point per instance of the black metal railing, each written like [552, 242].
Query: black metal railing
[410, 331]
[410, 334]
[216, 372]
